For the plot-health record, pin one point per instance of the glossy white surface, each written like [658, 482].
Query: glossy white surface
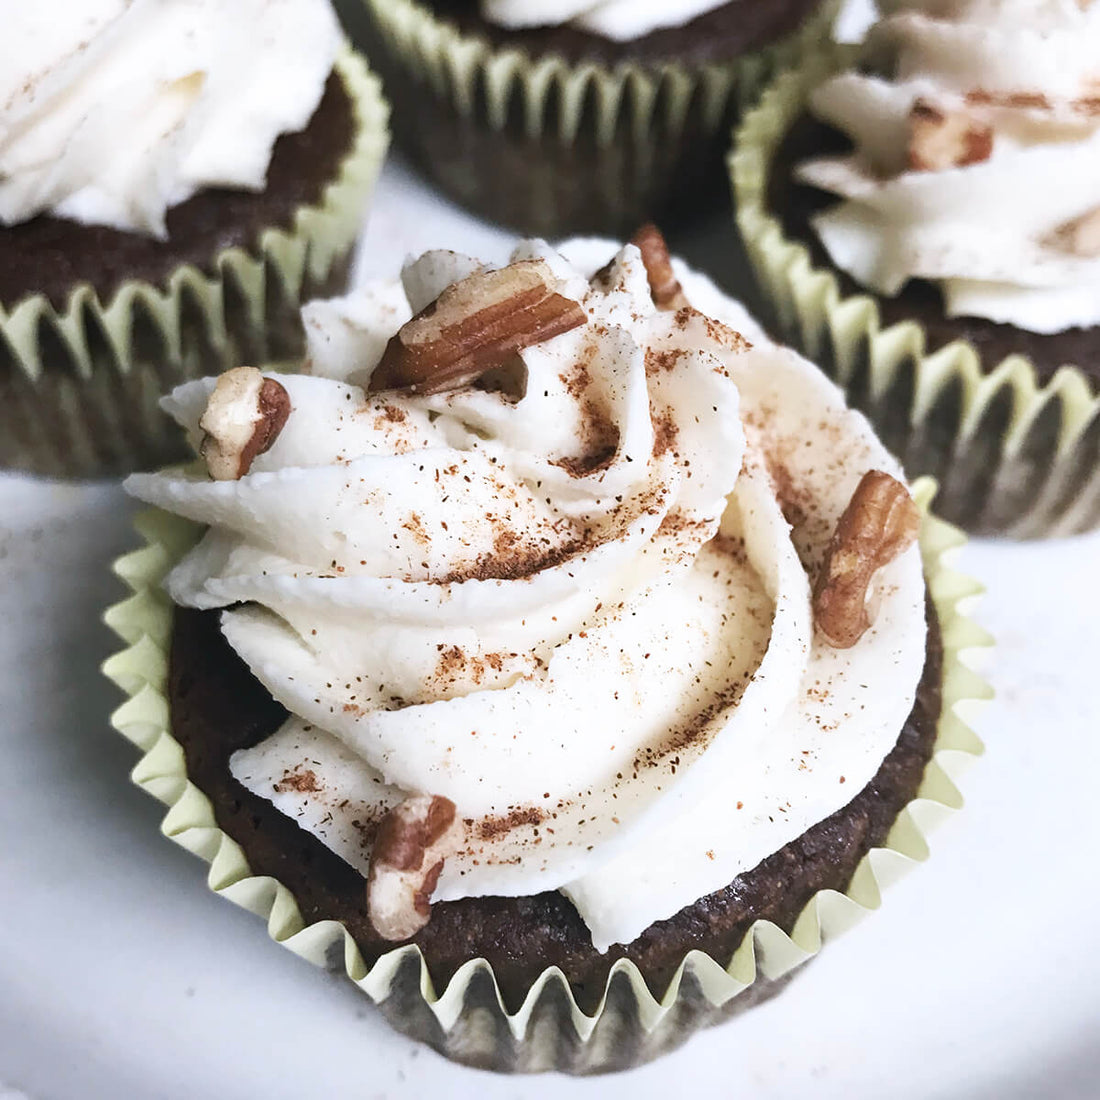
[122, 976]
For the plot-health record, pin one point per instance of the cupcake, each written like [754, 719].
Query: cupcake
[548, 656]
[559, 118]
[165, 208]
[922, 215]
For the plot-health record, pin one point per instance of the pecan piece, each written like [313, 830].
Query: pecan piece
[243, 418]
[412, 842]
[880, 522]
[946, 139]
[663, 284]
[476, 325]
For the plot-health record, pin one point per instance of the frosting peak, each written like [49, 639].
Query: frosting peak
[621, 20]
[112, 111]
[976, 158]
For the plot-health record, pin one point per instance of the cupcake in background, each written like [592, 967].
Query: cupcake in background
[175, 178]
[578, 116]
[926, 223]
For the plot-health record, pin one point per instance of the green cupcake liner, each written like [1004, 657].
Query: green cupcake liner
[1013, 456]
[467, 1020]
[553, 147]
[79, 385]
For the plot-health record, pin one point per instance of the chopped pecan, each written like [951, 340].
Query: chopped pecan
[946, 139]
[243, 418]
[1017, 101]
[1080, 236]
[476, 326]
[663, 284]
[412, 842]
[880, 522]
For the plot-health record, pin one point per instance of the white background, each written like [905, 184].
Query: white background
[121, 976]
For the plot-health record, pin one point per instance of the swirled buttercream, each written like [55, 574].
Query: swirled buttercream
[112, 111]
[621, 20]
[977, 158]
[576, 606]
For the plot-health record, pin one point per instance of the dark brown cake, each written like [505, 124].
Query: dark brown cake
[920, 300]
[50, 255]
[217, 707]
[546, 185]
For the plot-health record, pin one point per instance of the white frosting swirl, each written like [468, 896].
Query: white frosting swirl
[620, 20]
[854, 19]
[992, 234]
[580, 615]
[112, 111]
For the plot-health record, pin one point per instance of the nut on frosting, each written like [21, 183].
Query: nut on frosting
[663, 284]
[243, 418]
[409, 850]
[476, 325]
[941, 139]
[880, 522]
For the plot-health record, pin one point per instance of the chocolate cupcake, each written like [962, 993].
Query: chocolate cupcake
[526, 647]
[583, 117]
[921, 215]
[164, 210]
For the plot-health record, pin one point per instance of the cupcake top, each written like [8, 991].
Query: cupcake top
[564, 584]
[976, 160]
[112, 111]
[619, 20]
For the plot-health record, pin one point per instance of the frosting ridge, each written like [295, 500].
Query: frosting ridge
[976, 161]
[112, 111]
[620, 20]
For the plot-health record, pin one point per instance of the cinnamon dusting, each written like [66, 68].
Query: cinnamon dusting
[304, 782]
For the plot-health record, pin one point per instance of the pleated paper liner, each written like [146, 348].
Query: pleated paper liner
[555, 148]
[79, 386]
[1012, 456]
[467, 1020]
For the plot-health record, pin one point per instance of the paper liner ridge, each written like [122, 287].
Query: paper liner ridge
[456, 63]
